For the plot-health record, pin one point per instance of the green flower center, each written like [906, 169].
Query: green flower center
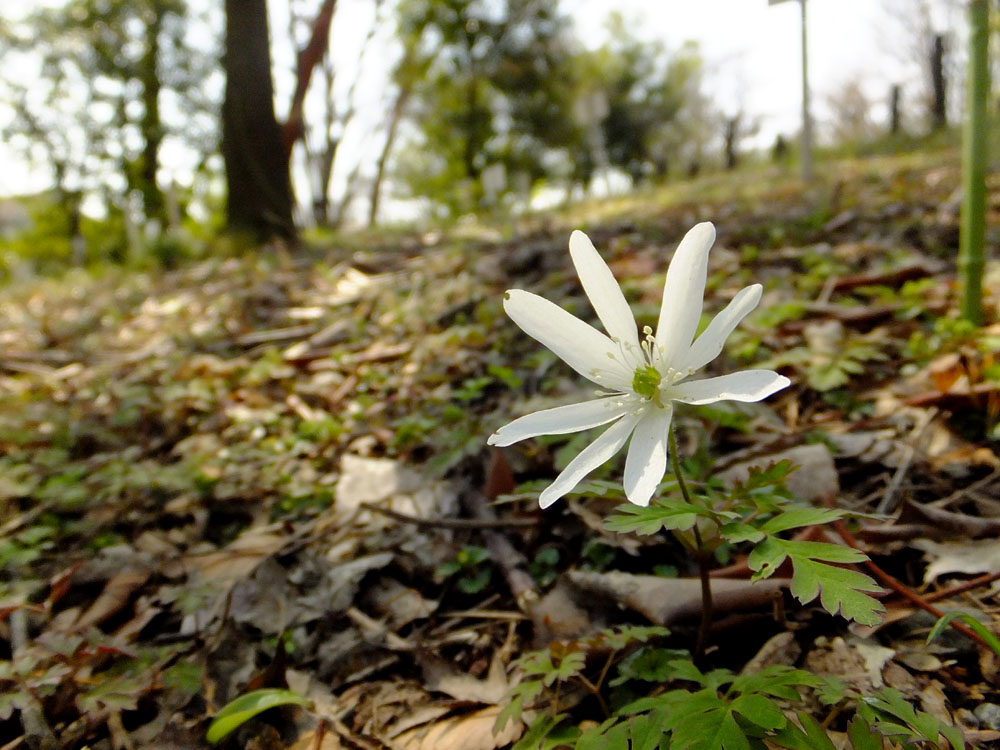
[646, 383]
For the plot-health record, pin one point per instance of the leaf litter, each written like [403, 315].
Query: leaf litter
[245, 472]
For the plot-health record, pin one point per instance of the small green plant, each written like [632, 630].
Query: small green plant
[831, 359]
[240, 710]
[470, 569]
[975, 625]
[755, 512]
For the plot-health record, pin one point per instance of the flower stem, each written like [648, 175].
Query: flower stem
[702, 555]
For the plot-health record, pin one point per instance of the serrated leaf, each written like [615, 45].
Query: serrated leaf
[240, 710]
[860, 733]
[779, 681]
[918, 724]
[810, 736]
[798, 516]
[839, 589]
[759, 710]
[740, 532]
[672, 515]
[714, 730]
[614, 737]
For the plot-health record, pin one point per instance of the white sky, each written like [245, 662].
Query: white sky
[751, 51]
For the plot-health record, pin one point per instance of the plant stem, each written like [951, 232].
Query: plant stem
[701, 555]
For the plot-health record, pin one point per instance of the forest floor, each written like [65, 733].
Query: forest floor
[272, 472]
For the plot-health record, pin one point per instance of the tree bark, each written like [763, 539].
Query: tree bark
[398, 107]
[257, 170]
[939, 115]
[152, 128]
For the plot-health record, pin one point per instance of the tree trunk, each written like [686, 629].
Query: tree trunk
[894, 117]
[257, 171]
[395, 117]
[152, 128]
[732, 136]
[939, 116]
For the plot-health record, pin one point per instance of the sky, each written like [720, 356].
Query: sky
[751, 51]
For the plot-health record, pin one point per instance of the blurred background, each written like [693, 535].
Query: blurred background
[135, 131]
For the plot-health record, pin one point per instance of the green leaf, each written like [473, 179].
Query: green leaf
[648, 664]
[737, 532]
[778, 680]
[759, 710]
[185, 677]
[798, 516]
[614, 736]
[914, 724]
[670, 514]
[860, 733]
[810, 737]
[538, 735]
[981, 630]
[839, 589]
[714, 730]
[242, 709]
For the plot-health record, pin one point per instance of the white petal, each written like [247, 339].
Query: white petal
[684, 291]
[595, 454]
[647, 456]
[582, 347]
[708, 345]
[560, 420]
[603, 291]
[749, 385]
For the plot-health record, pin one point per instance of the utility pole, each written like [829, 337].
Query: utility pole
[807, 137]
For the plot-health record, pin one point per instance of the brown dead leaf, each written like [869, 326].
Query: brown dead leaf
[113, 598]
[473, 731]
[443, 677]
[235, 561]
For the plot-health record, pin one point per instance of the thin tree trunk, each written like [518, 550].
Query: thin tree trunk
[308, 58]
[939, 116]
[151, 126]
[398, 107]
[259, 188]
[972, 229]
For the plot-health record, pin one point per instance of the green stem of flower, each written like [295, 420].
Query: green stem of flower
[702, 555]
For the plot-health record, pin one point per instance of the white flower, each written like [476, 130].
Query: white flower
[641, 378]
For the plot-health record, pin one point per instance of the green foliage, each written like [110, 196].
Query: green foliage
[975, 625]
[90, 671]
[949, 335]
[889, 714]
[756, 511]
[830, 367]
[840, 590]
[723, 711]
[99, 59]
[564, 662]
[240, 710]
[470, 569]
[26, 546]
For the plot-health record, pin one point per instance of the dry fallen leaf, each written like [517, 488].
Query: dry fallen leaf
[472, 731]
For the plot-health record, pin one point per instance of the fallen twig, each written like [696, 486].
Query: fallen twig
[903, 590]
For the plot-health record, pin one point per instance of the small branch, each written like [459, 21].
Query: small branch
[450, 523]
[962, 587]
